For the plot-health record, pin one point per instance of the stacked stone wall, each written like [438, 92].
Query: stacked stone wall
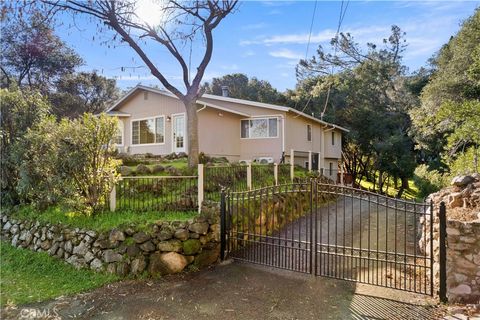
[164, 247]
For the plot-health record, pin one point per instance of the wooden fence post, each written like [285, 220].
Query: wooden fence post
[292, 164]
[200, 186]
[249, 176]
[309, 161]
[113, 198]
[275, 173]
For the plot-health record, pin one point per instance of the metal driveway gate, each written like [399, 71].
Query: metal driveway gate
[332, 231]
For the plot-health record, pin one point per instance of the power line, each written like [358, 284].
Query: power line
[343, 11]
[308, 46]
[311, 27]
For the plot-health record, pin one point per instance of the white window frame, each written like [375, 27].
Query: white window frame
[268, 127]
[121, 127]
[154, 120]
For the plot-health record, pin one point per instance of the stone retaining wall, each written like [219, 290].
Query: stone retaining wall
[462, 201]
[162, 248]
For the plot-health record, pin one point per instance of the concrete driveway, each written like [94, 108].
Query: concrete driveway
[237, 291]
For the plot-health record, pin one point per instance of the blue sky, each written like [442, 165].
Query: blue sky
[266, 39]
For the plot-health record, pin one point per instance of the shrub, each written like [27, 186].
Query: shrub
[20, 110]
[427, 181]
[158, 168]
[71, 161]
[143, 169]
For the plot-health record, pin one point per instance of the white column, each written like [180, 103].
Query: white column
[200, 186]
[113, 198]
[275, 173]
[292, 164]
[309, 161]
[249, 176]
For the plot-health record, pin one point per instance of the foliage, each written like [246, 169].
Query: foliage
[83, 92]
[427, 181]
[20, 110]
[32, 55]
[70, 159]
[450, 101]
[241, 87]
[101, 222]
[35, 276]
[369, 95]
[467, 162]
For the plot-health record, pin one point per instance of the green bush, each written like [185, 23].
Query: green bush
[69, 162]
[428, 181]
[20, 110]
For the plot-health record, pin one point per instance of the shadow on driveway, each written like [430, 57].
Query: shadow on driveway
[238, 291]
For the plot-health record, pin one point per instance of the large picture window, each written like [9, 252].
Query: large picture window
[259, 128]
[148, 131]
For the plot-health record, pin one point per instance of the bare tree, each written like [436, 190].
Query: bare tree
[186, 19]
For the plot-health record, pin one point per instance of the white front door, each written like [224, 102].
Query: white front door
[178, 129]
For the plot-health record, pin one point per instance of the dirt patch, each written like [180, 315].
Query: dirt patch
[237, 291]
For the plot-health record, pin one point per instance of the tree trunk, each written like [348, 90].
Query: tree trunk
[192, 133]
[405, 183]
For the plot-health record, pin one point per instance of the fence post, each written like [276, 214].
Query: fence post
[341, 172]
[442, 259]
[292, 164]
[275, 173]
[113, 198]
[223, 230]
[200, 186]
[309, 161]
[249, 176]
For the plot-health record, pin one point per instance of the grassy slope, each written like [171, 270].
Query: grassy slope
[411, 193]
[102, 221]
[28, 276]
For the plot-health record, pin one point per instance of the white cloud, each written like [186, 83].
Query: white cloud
[286, 54]
[254, 26]
[248, 53]
[232, 67]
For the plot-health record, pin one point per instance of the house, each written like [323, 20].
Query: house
[153, 121]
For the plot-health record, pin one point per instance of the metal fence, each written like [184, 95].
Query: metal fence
[152, 193]
[217, 177]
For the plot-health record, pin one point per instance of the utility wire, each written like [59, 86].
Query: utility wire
[306, 51]
[343, 11]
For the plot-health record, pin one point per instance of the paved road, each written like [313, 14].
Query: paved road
[237, 291]
[369, 241]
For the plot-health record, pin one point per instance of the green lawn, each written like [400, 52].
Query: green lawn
[100, 222]
[412, 193]
[28, 276]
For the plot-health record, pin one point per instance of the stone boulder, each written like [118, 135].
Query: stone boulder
[143, 169]
[166, 263]
[170, 246]
[111, 256]
[141, 237]
[191, 246]
[462, 181]
[158, 168]
[116, 235]
[199, 227]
